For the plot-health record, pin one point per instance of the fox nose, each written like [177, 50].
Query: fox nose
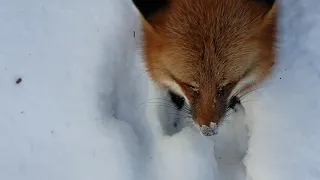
[210, 130]
[208, 120]
[208, 126]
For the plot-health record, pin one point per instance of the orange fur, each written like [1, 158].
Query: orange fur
[207, 46]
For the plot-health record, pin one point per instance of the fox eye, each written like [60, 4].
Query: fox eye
[194, 89]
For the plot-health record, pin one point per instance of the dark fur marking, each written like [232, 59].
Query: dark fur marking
[233, 102]
[150, 7]
[177, 100]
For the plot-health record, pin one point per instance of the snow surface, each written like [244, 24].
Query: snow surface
[284, 113]
[85, 108]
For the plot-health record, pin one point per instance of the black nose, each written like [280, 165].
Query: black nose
[233, 102]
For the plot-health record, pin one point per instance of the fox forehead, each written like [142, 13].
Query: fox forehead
[216, 34]
[205, 65]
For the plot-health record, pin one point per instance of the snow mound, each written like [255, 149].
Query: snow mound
[284, 113]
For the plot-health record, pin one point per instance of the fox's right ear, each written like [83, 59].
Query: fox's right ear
[147, 8]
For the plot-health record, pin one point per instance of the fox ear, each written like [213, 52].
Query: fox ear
[273, 10]
[148, 8]
[270, 3]
[270, 16]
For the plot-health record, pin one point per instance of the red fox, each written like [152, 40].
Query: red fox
[209, 52]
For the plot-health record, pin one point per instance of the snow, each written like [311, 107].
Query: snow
[86, 109]
[284, 114]
[78, 112]
[58, 123]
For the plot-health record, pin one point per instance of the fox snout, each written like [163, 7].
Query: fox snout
[207, 114]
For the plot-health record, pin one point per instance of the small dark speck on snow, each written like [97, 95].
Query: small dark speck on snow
[19, 80]
[175, 124]
[51, 131]
[134, 33]
[22, 112]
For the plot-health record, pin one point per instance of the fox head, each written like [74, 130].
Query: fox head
[209, 51]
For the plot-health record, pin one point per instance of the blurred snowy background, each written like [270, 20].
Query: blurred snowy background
[76, 102]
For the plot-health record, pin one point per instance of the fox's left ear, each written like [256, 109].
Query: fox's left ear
[270, 2]
[272, 7]
[271, 15]
[269, 5]
[147, 8]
